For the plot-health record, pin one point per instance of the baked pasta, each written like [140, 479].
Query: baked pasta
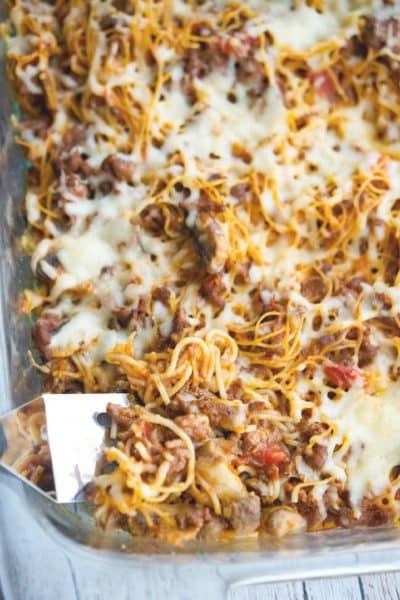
[213, 216]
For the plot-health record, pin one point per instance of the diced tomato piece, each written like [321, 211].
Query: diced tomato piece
[272, 454]
[240, 46]
[323, 83]
[274, 304]
[341, 376]
[147, 429]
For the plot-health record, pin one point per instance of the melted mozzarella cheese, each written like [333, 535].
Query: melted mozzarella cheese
[81, 329]
[370, 423]
[84, 257]
[303, 28]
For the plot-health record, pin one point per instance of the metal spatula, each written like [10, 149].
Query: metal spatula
[75, 427]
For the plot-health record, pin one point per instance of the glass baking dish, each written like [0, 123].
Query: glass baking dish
[336, 552]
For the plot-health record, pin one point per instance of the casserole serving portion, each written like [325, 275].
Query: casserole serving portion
[212, 216]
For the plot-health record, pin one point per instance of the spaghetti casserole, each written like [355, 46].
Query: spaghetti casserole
[213, 209]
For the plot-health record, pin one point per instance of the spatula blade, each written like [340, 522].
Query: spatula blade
[74, 435]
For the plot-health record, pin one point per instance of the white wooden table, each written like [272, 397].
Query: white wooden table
[34, 567]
